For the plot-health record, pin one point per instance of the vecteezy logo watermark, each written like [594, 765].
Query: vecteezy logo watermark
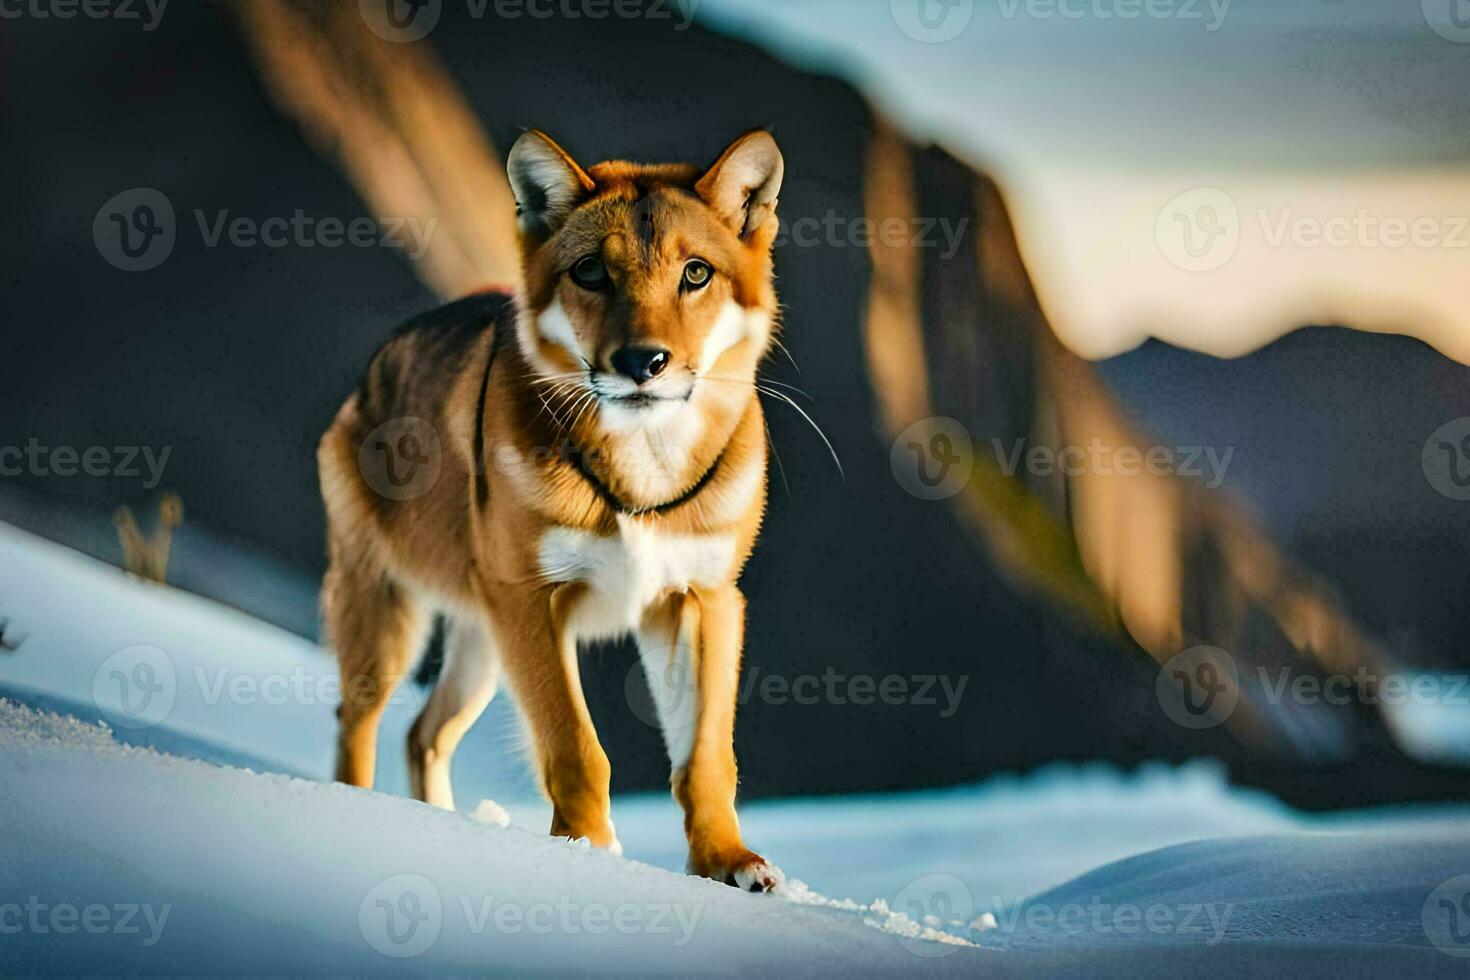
[401, 916]
[1180, 10]
[1201, 230]
[1198, 688]
[1100, 459]
[40, 918]
[1446, 917]
[932, 21]
[400, 20]
[1450, 19]
[135, 229]
[1198, 230]
[659, 688]
[401, 458]
[404, 916]
[68, 461]
[90, 9]
[922, 909]
[138, 687]
[1446, 459]
[932, 458]
[135, 687]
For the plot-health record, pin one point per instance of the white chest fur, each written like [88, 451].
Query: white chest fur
[626, 572]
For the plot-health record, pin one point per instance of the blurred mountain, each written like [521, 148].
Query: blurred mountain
[1327, 428]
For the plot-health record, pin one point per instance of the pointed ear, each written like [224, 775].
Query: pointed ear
[546, 181]
[743, 185]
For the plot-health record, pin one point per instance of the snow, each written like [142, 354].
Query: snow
[243, 687]
[268, 873]
[203, 837]
[492, 813]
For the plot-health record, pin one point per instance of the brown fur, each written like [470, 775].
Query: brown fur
[550, 458]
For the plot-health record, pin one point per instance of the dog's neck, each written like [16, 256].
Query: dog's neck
[637, 460]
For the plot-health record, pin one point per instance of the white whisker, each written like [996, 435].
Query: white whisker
[818, 429]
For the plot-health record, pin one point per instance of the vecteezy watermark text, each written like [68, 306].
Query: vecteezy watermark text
[834, 687]
[837, 231]
[680, 11]
[935, 914]
[42, 918]
[672, 678]
[1364, 686]
[35, 459]
[403, 916]
[1100, 459]
[148, 12]
[136, 230]
[402, 21]
[411, 235]
[1200, 687]
[137, 687]
[1210, 13]
[1201, 229]
[1096, 917]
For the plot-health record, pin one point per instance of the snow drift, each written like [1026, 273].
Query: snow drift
[205, 840]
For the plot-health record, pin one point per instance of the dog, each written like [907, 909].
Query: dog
[584, 460]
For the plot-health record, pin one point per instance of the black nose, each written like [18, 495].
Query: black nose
[640, 363]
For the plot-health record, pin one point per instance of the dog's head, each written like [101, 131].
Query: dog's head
[647, 287]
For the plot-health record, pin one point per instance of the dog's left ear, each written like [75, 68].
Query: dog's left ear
[743, 185]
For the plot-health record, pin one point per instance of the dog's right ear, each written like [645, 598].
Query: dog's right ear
[547, 183]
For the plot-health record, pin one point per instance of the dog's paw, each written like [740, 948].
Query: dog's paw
[747, 871]
[758, 875]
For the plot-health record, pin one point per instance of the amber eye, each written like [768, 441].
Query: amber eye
[590, 273]
[697, 274]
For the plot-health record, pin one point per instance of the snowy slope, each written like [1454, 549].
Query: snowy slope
[152, 846]
[266, 873]
[188, 866]
[92, 634]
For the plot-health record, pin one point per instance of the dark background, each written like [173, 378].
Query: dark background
[237, 359]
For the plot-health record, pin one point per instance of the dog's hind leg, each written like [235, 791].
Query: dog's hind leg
[376, 627]
[471, 675]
